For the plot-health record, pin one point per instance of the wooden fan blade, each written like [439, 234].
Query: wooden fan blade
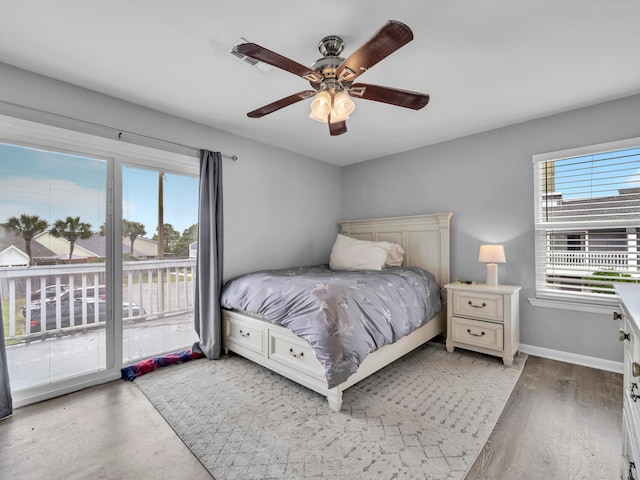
[267, 56]
[283, 102]
[337, 128]
[392, 96]
[386, 41]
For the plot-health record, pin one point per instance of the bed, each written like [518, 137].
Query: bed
[425, 240]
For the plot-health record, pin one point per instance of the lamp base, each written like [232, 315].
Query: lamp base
[492, 274]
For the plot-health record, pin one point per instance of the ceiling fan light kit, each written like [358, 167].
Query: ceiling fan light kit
[331, 105]
[331, 77]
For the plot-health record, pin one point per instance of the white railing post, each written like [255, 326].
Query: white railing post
[12, 308]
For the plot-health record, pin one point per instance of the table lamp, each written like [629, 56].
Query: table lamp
[492, 255]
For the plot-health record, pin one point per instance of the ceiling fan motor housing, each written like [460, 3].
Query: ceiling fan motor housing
[331, 46]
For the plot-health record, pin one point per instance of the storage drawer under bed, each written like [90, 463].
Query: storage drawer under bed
[294, 353]
[245, 334]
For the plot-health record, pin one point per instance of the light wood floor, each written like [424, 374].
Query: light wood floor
[561, 422]
[106, 432]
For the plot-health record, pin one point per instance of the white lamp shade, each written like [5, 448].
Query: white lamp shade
[492, 254]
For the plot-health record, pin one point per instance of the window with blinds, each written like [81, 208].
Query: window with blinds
[587, 220]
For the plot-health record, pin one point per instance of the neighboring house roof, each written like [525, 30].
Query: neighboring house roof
[96, 244]
[60, 246]
[8, 238]
[12, 256]
[142, 247]
[46, 246]
[626, 204]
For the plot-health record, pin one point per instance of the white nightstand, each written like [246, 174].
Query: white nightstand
[484, 318]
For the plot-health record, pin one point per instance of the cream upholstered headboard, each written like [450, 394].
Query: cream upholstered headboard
[425, 239]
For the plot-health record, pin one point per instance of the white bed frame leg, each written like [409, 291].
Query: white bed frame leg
[335, 399]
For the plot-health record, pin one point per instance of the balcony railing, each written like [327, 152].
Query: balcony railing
[150, 289]
[592, 261]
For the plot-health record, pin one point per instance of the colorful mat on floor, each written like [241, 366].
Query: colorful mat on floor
[150, 364]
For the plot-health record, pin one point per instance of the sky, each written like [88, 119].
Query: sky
[56, 185]
[598, 175]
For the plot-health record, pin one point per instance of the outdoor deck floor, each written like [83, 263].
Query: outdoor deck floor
[54, 357]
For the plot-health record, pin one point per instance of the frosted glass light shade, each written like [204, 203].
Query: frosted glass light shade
[342, 107]
[321, 106]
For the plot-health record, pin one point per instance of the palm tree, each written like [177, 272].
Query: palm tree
[71, 229]
[27, 227]
[132, 230]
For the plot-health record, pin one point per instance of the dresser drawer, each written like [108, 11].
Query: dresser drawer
[245, 334]
[485, 306]
[480, 334]
[294, 353]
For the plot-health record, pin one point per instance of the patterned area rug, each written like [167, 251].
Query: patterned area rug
[426, 416]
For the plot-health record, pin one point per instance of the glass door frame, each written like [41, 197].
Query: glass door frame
[117, 153]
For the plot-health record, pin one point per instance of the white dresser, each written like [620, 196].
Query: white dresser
[628, 319]
[484, 318]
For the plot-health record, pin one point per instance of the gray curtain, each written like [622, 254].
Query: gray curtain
[207, 315]
[6, 404]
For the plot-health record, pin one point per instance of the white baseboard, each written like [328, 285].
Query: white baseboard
[593, 362]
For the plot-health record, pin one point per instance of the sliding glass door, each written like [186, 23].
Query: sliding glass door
[53, 263]
[158, 268]
[88, 282]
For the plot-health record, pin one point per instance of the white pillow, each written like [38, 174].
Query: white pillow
[353, 254]
[395, 255]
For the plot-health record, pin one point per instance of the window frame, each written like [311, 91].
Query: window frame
[573, 301]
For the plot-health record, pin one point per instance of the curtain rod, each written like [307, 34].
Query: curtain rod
[118, 131]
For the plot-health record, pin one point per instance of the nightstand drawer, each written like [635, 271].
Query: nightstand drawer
[481, 334]
[485, 306]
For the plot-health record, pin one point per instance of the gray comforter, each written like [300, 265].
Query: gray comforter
[343, 315]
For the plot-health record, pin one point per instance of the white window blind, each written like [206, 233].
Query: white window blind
[587, 221]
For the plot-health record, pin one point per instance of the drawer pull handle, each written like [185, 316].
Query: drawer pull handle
[617, 316]
[632, 393]
[622, 335]
[244, 334]
[635, 369]
[477, 306]
[481, 334]
[295, 355]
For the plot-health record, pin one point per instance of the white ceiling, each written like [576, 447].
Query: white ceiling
[485, 63]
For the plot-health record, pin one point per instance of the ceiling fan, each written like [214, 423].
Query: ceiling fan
[331, 77]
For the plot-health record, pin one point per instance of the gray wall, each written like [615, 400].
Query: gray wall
[486, 180]
[280, 209]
